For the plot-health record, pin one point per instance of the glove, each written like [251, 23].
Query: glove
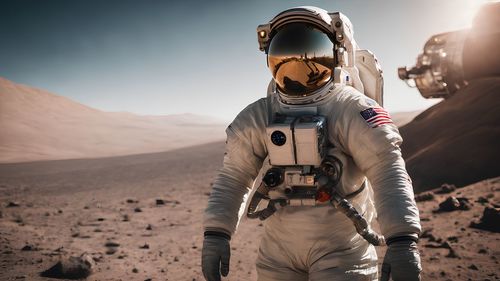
[402, 261]
[215, 255]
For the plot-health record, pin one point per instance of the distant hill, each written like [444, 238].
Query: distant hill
[456, 141]
[37, 125]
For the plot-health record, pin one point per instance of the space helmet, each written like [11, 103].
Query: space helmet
[306, 48]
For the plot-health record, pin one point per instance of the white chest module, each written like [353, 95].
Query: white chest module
[296, 141]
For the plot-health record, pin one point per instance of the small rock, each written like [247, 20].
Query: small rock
[101, 219]
[490, 220]
[135, 270]
[148, 279]
[453, 239]
[110, 251]
[483, 251]
[125, 218]
[160, 202]
[137, 210]
[112, 244]
[452, 203]
[176, 259]
[446, 188]
[482, 200]
[145, 246]
[12, 204]
[473, 267]
[452, 253]
[29, 247]
[71, 268]
[132, 201]
[424, 196]
[149, 227]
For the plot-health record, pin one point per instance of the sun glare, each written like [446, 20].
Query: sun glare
[466, 11]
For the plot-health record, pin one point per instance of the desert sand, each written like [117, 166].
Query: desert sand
[37, 125]
[70, 207]
[139, 217]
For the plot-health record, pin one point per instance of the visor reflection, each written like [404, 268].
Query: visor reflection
[300, 57]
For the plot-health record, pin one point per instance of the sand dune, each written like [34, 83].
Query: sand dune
[37, 125]
[456, 141]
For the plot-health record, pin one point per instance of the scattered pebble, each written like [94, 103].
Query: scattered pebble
[111, 251]
[473, 267]
[160, 202]
[446, 188]
[145, 246]
[112, 244]
[29, 247]
[452, 253]
[12, 204]
[137, 210]
[482, 200]
[424, 196]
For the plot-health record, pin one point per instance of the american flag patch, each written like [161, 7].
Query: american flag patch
[376, 116]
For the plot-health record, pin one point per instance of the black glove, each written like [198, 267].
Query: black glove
[402, 260]
[215, 255]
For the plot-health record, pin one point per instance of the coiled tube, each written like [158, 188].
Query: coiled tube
[358, 220]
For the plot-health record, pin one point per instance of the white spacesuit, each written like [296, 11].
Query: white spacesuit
[317, 110]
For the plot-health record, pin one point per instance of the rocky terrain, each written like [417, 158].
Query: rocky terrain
[139, 218]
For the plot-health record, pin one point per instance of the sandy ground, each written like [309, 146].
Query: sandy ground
[70, 207]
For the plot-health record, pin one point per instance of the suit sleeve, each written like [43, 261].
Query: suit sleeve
[375, 149]
[245, 152]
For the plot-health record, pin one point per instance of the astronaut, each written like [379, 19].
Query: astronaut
[324, 155]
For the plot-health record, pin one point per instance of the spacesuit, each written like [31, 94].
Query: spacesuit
[311, 54]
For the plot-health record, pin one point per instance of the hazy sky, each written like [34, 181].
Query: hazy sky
[167, 57]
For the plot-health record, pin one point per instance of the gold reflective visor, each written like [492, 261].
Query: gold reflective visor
[301, 60]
